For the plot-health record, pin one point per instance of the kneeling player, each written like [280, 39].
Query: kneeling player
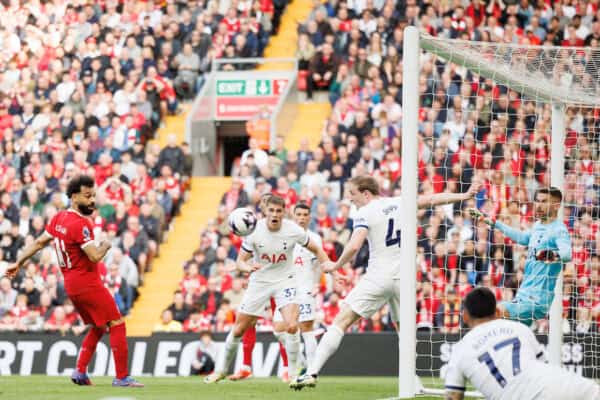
[501, 358]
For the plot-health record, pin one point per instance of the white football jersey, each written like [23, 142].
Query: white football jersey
[491, 356]
[274, 250]
[308, 270]
[382, 218]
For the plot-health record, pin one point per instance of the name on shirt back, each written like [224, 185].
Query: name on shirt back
[500, 331]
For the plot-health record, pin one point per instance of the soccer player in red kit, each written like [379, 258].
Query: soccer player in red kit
[71, 232]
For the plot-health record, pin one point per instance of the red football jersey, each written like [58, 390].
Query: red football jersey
[72, 232]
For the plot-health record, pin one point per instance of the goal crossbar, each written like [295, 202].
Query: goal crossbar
[484, 59]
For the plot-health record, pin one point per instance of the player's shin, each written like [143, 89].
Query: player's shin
[292, 348]
[88, 348]
[248, 342]
[310, 346]
[231, 346]
[329, 344]
[118, 344]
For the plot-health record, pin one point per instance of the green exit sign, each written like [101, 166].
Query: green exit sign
[231, 88]
[247, 87]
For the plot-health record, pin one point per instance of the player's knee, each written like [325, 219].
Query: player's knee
[306, 326]
[115, 322]
[292, 327]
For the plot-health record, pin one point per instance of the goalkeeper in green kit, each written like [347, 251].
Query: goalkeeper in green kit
[548, 247]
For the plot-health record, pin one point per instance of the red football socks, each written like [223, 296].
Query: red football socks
[248, 342]
[118, 344]
[284, 359]
[88, 348]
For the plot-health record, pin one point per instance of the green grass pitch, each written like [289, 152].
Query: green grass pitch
[184, 388]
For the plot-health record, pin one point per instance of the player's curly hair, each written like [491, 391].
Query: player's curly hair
[77, 183]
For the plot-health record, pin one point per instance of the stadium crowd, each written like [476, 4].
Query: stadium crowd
[83, 88]
[468, 127]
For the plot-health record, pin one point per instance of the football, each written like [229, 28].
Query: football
[242, 221]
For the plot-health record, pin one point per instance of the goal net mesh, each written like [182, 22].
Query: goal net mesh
[485, 112]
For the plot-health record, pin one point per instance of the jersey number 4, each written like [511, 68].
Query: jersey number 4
[61, 253]
[392, 238]
[516, 360]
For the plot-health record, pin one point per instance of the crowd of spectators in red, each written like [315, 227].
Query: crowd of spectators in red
[468, 126]
[83, 88]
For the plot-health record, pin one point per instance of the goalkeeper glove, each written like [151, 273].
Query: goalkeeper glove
[478, 215]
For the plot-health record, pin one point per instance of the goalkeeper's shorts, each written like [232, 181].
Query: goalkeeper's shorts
[525, 310]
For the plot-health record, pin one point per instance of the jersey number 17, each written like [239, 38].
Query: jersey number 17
[487, 359]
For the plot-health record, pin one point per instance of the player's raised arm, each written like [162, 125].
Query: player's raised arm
[39, 243]
[95, 252]
[518, 236]
[430, 200]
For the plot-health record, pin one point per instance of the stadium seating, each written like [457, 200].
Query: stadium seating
[361, 136]
[83, 89]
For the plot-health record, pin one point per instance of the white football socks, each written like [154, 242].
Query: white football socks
[327, 346]
[292, 348]
[280, 336]
[310, 346]
[231, 346]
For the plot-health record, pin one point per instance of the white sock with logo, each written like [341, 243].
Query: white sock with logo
[327, 346]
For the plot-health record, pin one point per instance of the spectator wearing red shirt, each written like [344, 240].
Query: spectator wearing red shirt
[59, 321]
[286, 192]
[210, 301]
[331, 308]
[193, 283]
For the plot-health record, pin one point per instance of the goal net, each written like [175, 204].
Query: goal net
[519, 118]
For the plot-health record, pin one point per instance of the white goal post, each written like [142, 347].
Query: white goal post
[544, 74]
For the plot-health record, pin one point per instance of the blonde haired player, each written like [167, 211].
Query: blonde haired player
[378, 221]
[271, 248]
[501, 358]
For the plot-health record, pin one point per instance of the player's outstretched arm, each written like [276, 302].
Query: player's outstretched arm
[431, 200]
[242, 262]
[38, 244]
[521, 237]
[96, 252]
[352, 247]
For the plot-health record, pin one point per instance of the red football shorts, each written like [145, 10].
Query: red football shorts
[96, 307]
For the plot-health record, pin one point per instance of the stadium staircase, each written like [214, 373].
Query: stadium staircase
[309, 116]
[182, 239]
[206, 192]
